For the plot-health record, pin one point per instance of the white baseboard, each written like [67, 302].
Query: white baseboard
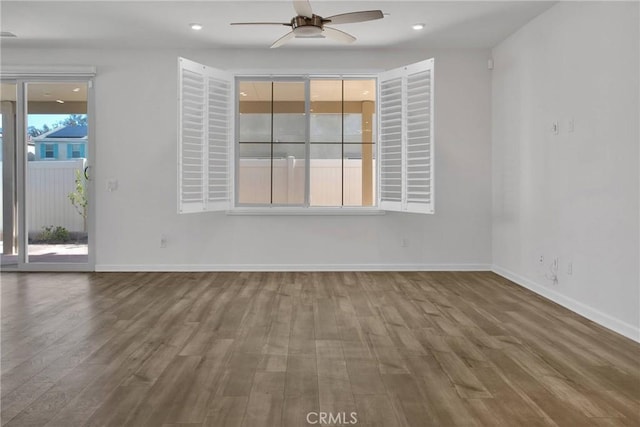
[293, 267]
[597, 316]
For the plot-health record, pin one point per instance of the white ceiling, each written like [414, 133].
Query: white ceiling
[165, 24]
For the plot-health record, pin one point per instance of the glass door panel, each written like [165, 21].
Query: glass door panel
[8, 199]
[56, 187]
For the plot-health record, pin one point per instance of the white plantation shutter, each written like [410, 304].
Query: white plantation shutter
[406, 138]
[391, 129]
[219, 137]
[419, 153]
[204, 135]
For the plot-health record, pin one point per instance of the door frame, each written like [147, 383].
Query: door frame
[84, 75]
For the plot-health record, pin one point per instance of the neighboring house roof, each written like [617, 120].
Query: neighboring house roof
[67, 132]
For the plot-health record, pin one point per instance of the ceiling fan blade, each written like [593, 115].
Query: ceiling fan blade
[338, 35]
[303, 8]
[284, 39]
[349, 18]
[261, 23]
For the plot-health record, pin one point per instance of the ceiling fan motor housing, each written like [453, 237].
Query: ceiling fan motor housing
[307, 27]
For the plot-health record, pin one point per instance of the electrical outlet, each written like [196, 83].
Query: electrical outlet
[541, 259]
[163, 241]
[555, 128]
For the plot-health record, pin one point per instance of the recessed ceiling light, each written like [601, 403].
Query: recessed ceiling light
[366, 92]
[76, 89]
[195, 26]
[243, 93]
[417, 26]
[59, 101]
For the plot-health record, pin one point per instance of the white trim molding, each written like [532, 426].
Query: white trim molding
[290, 267]
[313, 211]
[597, 316]
[39, 71]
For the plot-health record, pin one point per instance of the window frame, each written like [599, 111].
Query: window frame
[417, 199]
[244, 208]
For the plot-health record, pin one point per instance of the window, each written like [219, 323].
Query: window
[75, 151]
[49, 151]
[305, 141]
[288, 127]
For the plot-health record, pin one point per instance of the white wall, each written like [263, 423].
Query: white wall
[136, 144]
[574, 195]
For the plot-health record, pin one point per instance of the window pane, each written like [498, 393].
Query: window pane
[289, 121]
[289, 128]
[255, 127]
[326, 128]
[326, 175]
[359, 166]
[359, 175]
[288, 173]
[254, 173]
[326, 110]
[255, 111]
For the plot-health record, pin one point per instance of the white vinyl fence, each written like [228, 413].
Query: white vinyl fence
[48, 186]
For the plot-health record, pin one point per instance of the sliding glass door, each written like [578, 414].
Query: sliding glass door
[47, 181]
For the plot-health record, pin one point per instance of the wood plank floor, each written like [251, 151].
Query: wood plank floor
[266, 349]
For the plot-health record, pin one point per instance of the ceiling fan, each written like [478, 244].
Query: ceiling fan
[306, 24]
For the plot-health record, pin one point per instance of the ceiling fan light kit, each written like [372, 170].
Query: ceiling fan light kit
[307, 27]
[306, 24]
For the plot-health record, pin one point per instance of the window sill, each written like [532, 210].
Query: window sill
[263, 211]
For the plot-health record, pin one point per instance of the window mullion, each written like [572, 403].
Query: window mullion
[271, 164]
[342, 144]
[307, 160]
